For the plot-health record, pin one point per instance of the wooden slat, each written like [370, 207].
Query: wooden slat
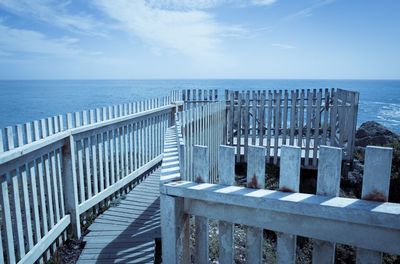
[256, 180]
[226, 171]
[277, 123]
[317, 122]
[285, 116]
[375, 187]
[17, 211]
[328, 184]
[310, 96]
[6, 215]
[201, 168]
[262, 119]
[325, 117]
[293, 117]
[289, 181]
[269, 125]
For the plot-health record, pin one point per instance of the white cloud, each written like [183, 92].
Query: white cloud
[194, 33]
[263, 2]
[18, 41]
[54, 13]
[282, 46]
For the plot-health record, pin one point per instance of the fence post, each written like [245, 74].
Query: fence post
[70, 187]
[256, 180]
[226, 172]
[201, 168]
[289, 181]
[328, 184]
[375, 187]
[174, 230]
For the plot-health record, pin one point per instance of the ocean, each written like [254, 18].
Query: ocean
[23, 101]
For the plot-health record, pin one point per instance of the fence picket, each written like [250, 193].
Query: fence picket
[256, 180]
[201, 168]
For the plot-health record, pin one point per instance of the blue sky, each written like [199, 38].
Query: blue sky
[140, 39]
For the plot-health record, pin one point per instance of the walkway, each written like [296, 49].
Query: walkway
[126, 232]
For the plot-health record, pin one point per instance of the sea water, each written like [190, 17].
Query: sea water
[28, 100]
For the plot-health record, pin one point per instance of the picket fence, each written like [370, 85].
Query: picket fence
[371, 224]
[58, 172]
[273, 118]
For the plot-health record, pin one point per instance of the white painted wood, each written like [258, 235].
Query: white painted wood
[17, 212]
[341, 220]
[255, 180]
[201, 167]
[328, 184]
[6, 215]
[226, 173]
[376, 180]
[27, 208]
[289, 181]
[174, 231]
[36, 252]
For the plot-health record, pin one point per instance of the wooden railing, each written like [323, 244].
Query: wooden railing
[59, 172]
[273, 118]
[370, 224]
[201, 125]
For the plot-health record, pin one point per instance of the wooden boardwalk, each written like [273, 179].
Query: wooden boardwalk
[126, 233]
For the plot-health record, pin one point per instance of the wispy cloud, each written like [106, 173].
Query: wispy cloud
[282, 46]
[54, 13]
[306, 12]
[263, 2]
[194, 33]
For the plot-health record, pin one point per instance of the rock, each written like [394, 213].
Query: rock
[373, 133]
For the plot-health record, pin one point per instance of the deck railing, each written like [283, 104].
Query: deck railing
[57, 172]
[273, 118]
[370, 224]
[201, 125]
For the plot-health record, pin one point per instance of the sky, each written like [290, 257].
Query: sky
[175, 39]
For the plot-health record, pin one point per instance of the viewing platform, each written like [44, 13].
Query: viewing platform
[139, 182]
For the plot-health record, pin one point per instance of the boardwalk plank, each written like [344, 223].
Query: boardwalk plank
[125, 233]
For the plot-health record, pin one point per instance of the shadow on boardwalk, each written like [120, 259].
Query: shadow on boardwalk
[126, 233]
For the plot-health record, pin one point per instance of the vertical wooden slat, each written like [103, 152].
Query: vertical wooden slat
[246, 124]
[301, 120]
[310, 96]
[269, 125]
[35, 205]
[262, 119]
[277, 125]
[226, 172]
[293, 109]
[174, 230]
[289, 181]
[317, 127]
[27, 207]
[334, 113]
[328, 184]
[6, 216]
[239, 126]
[375, 187]
[231, 119]
[254, 119]
[324, 116]
[256, 180]
[201, 168]
[285, 116]
[18, 217]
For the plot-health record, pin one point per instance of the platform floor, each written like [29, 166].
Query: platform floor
[126, 233]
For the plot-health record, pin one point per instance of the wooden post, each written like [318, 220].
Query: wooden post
[226, 172]
[174, 230]
[328, 184]
[201, 168]
[70, 187]
[376, 180]
[289, 181]
[256, 180]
